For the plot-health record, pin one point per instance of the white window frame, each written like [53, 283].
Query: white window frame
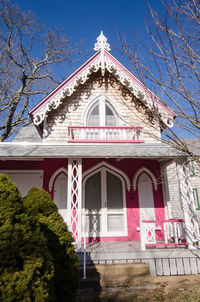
[104, 212]
[102, 100]
[55, 175]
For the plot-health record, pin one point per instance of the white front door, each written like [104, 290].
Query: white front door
[105, 212]
[60, 195]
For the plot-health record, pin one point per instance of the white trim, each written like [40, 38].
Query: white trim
[83, 75]
[104, 167]
[112, 169]
[101, 98]
[69, 188]
[54, 176]
[79, 162]
[75, 191]
[144, 169]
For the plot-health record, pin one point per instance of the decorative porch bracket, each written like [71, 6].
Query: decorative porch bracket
[188, 205]
[74, 199]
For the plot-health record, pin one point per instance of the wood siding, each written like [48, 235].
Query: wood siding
[131, 111]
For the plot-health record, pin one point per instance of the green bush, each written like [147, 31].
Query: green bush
[59, 241]
[26, 265]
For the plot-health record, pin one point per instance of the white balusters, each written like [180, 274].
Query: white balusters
[110, 133]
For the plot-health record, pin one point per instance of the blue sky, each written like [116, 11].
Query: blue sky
[84, 19]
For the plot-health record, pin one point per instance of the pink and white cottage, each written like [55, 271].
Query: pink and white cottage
[94, 145]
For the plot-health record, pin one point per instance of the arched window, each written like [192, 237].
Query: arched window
[101, 114]
[60, 194]
[104, 204]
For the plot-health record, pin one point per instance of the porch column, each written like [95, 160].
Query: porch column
[187, 198]
[75, 199]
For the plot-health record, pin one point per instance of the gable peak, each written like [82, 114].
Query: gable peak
[101, 43]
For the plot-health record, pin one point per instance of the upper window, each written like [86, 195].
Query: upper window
[101, 114]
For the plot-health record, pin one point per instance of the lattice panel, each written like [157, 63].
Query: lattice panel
[74, 199]
[149, 233]
[191, 219]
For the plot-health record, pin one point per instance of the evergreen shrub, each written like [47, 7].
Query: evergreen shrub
[59, 242]
[26, 265]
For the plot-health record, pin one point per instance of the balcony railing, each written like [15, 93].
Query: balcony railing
[98, 134]
[165, 233]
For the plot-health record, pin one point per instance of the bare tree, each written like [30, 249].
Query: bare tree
[29, 56]
[169, 62]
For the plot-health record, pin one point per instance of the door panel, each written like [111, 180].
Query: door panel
[146, 199]
[104, 209]
[93, 204]
[147, 210]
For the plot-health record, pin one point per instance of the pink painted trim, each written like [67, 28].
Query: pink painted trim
[103, 141]
[104, 127]
[63, 84]
[166, 244]
[135, 80]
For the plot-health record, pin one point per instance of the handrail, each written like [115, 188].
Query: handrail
[105, 127]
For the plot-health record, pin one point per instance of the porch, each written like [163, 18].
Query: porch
[161, 261]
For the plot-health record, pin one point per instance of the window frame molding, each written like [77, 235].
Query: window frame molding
[103, 168]
[149, 173]
[54, 176]
[103, 100]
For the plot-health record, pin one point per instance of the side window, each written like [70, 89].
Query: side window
[196, 198]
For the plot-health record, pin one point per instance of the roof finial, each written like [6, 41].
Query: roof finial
[101, 43]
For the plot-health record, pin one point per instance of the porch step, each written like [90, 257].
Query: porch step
[117, 294]
[162, 262]
[114, 275]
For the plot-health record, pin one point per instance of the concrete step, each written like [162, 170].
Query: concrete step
[114, 275]
[117, 294]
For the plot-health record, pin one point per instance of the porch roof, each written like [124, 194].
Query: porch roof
[15, 150]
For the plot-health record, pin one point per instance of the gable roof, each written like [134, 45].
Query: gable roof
[28, 133]
[102, 60]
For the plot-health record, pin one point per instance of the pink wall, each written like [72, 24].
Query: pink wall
[129, 166]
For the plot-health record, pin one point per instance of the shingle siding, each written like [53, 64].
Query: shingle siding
[174, 193]
[131, 111]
